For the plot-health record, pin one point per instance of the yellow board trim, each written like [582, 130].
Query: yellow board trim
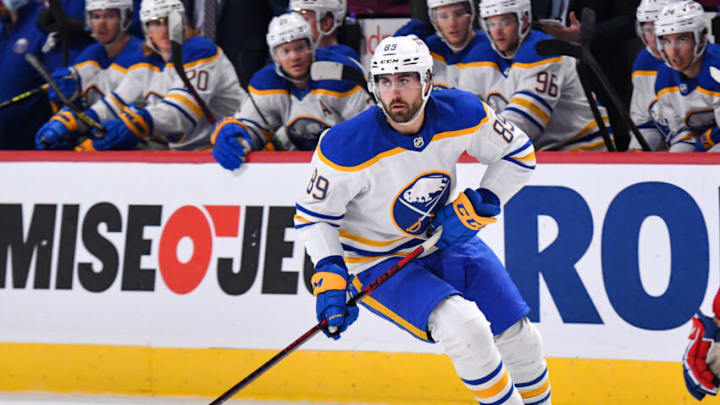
[330, 376]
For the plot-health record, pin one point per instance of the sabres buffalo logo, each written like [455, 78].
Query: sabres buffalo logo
[415, 204]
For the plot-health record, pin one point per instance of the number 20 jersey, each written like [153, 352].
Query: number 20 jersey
[373, 191]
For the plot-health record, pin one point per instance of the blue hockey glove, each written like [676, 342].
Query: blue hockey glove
[707, 140]
[68, 81]
[55, 133]
[462, 219]
[231, 143]
[126, 131]
[699, 378]
[413, 27]
[330, 285]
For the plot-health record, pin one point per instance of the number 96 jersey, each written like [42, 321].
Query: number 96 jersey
[373, 191]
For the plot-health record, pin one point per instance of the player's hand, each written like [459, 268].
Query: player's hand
[413, 27]
[68, 81]
[330, 286]
[462, 219]
[126, 131]
[570, 33]
[699, 378]
[707, 140]
[231, 143]
[55, 133]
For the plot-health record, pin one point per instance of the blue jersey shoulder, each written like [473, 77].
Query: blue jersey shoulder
[645, 61]
[527, 53]
[267, 79]
[357, 140]
[197, 48]
[131, 54]
[453, 109]
[709, 77]
[94, 52]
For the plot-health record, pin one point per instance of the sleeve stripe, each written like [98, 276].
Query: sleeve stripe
[185, 114]
[410, 244]
[521, 164]
[538, 98]
[313, 223]
[314, 214]
[532, 107]
[520, 149]
[525, 115]
[187, 103]
[109, 107]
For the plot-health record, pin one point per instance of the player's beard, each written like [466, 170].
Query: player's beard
[402, 117]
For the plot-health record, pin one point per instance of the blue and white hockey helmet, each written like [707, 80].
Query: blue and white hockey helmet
[124, 6]
[401, 55]
[336, 8]
[432, 6]
[521, 8]
[649, 11]
[685, 16]
[286, 28]
[157, 9]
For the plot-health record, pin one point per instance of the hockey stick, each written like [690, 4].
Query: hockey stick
[310, 333]
[554, 47]
[326, 70]
[24, 96]
[176, 31]
[40, 68]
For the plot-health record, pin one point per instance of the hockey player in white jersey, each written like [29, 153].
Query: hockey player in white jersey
[541, 95]
[324, 18]
[170, 112]
[383, 180]
[98, 69]
[688, 85]
[644, 72]
[454, 39]
[284, 96]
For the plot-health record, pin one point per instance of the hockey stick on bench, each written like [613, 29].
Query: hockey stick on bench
[24, 96]
[40, 68]
[176, 32]
[554, 47]
[315, 329]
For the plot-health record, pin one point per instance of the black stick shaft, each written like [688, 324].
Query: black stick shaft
[24, 96]
[176, 55]
[310, 333]
[596, 111]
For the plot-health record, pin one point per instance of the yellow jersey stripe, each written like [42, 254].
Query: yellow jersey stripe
[118, 68]
[532, 107]
[87, 63]
[188, 103]
[365, 259]
[538, 63]
[478, 64]
[336, 93]
[667, 90]
[194, 63]
[644, 73]
[253, 90]
[708, 92]
[144, 65]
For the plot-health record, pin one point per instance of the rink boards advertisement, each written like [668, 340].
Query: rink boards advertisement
[614, 255]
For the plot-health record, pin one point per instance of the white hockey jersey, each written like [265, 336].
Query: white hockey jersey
[541, 95]
[98, 74]
[177, 117]
[689, 107]
[373, 190]
[447, 64]
[276, 102]
[644, 73]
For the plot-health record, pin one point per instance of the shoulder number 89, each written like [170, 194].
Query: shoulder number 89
[318, 186]
[505, 129]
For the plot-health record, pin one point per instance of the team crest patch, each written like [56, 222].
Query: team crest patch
[414, 205]
[21, 45]
[683, 88]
